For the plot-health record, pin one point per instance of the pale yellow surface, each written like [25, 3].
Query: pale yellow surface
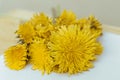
[112, 29]
[7, 37]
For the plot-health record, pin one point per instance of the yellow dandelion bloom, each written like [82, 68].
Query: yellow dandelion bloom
[73, 50]
[42, 25]
[39, 57]
[41, 19]
[66, 18]
[95, 25]
[44, 32]
[26, 32]
[16, 57]
[91, 23]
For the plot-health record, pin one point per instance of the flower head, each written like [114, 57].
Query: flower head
[95, 25]
[16, 57]
[41, 19]
[66, 18]
[91, 23]
[39, 57]
[26, 32]
[42, 25]
[44, 32]
[73, 49]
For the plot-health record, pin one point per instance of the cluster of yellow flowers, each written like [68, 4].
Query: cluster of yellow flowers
[63, 44]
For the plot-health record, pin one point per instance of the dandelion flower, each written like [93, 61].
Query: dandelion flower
[42, 25]
[73, 50]
[39, 57]
[95, 25]
[66, 18]
[41, 19]
[91, 23]
[26, 32]
[44, 32]
[16, 57]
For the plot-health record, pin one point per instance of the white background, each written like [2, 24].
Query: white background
[108, 11]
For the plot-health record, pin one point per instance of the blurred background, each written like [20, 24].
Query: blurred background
[107, 11]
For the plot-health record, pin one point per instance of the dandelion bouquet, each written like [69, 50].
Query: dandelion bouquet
[63, 44]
